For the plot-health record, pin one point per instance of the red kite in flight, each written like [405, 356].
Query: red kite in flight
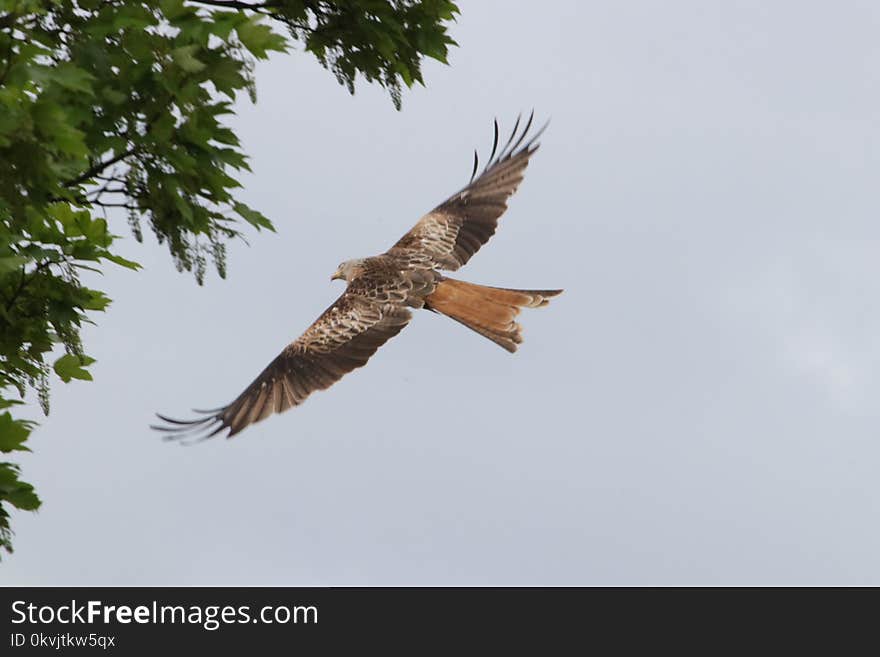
[381, 290]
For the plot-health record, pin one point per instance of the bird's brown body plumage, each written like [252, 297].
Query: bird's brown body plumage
[383, 289]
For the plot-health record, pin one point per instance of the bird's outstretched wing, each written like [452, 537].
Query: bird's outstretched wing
[343, 338]
[453, 231]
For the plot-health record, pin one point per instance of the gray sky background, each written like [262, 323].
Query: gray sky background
[702, 405]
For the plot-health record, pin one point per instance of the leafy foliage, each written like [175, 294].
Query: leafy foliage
[383, 41]
[113, 104]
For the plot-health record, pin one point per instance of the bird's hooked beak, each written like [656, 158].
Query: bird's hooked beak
[337, 275]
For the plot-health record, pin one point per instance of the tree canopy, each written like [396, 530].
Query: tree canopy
[114, 104]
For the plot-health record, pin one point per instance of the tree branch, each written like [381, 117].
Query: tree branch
[25, 280]
[99, 167]
[128, 206]
[7, 65]
[236, 4]
[108, 190]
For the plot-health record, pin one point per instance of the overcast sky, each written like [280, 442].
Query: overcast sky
[701, 406]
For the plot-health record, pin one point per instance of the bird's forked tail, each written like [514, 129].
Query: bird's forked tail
[490, 311]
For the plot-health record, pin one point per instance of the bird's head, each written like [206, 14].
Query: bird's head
[348, 270]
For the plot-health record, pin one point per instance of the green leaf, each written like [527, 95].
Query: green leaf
[132, 16]
[226, 21]
[185, 58]
[94, 230]
[13, 433]
[113, 96]
[259, 38]
[172, 9]
[254, 218]
[11, 263]
[53, 125]
[97, 300]
[15, 491]
[73, 78]
[226, 76]
[70, 366]
[119, 260]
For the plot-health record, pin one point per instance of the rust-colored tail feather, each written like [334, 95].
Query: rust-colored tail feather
[490, 311]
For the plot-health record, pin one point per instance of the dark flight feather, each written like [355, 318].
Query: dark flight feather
[450, 234]
[342, 339]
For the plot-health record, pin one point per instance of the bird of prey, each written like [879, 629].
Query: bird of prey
[383, 288]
